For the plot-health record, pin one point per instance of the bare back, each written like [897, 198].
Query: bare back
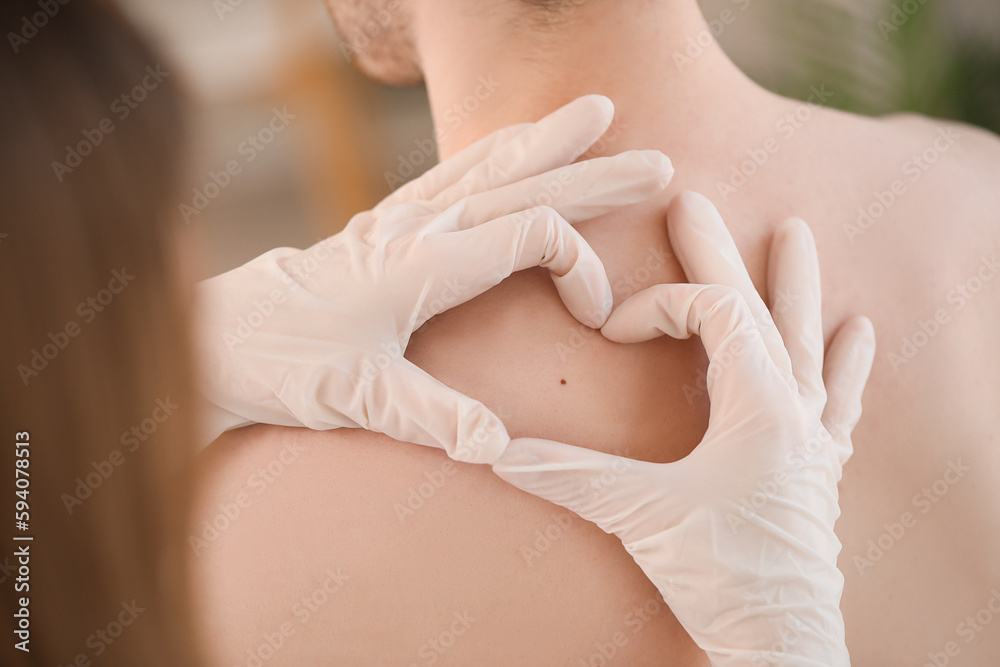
[367, 551]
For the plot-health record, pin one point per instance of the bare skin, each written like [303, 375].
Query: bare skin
[922, 486]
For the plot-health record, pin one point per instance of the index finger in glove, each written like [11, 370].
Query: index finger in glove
[578, 192]
[554, 141]
[708, 255]
[487, 254]
[740, 366]
[450, 171]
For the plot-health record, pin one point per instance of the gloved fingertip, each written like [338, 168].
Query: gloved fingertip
[519, 464]
[597, 316]
[586, 292]
[849, 361]
[865, 346]
[618, 328]
[865, 332]
[660, 166]
[520, 453]
[860, 333]
[694, 206]
[796, 231]
[482, 439]
[621, 326]
[603, 103]
[793, 224]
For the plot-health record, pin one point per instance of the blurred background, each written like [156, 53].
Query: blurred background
[255, 65]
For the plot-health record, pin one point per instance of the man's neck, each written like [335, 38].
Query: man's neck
[484, 72]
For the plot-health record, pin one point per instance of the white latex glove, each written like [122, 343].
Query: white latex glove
[737, 536]
[316, 338]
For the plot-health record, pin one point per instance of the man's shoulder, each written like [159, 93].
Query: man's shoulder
[953, 169]
[968, 156]
[916, 124]
[238, 454]
[922, 195]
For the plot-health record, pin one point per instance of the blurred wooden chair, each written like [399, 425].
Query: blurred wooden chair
[338, 134]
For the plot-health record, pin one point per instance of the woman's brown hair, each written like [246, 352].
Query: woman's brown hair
[96, 362]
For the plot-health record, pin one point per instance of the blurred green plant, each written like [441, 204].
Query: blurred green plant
[883, 56]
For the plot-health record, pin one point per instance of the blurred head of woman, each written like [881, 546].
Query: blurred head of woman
[97, 368]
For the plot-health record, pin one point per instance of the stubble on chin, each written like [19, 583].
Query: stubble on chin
[378, 39]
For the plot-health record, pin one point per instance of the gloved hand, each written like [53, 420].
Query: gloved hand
[316, 338]
[737, 536]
